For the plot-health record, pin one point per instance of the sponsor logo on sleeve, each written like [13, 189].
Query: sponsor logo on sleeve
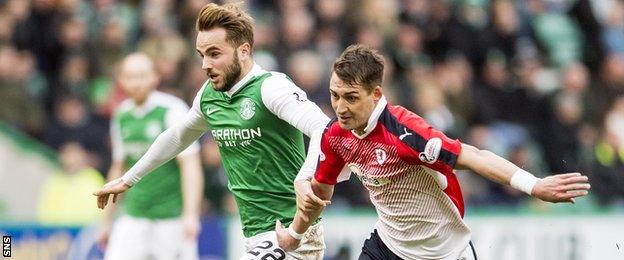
[300, 96]
[432, 151]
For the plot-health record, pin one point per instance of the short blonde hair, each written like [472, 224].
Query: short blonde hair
[237, 24]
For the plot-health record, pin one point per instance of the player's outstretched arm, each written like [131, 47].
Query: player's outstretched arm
[316, 196]
[555, 188]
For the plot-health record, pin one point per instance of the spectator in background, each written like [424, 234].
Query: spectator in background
[18, 107]
[75, 76]
[309, 77]
[431, 104]
[297, 28]
[167, 47]
[607, 167]
[111, 46]
[38, 34]
[612, 18]
[73, 121]
[563, 118]
[456, 80]
[497, 98]
[65, 197]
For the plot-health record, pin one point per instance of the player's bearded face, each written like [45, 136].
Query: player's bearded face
[220, 58]
[224, 77]
[230, 73]
[352, 104]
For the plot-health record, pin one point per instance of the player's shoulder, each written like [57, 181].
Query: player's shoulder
[333, 128]
[277, 79]
[203, 88]
[277, 74]
[403, 115]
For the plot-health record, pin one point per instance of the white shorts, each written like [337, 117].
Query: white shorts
[140, 238]
[264, 246]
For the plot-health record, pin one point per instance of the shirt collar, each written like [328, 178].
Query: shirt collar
[374, 118]
[255, 71]
[141, 110]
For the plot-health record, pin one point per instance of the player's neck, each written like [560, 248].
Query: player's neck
[360, 131]
[245, 69]
[139, 102]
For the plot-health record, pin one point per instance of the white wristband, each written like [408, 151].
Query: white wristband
[523, 180]
[294, 233]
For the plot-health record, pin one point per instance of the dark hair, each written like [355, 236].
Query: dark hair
[237, 24]
[360, 65]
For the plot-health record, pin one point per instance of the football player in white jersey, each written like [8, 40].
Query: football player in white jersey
[407, 167]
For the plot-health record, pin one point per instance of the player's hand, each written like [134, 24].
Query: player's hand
[114, 187]
[307, 201]
[285, 241]
[192, 226]
[561, 187]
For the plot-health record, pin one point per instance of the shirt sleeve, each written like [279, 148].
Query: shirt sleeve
[289, 103]
[169, 143]
[176, 112]
[422, 144]
[330, 165]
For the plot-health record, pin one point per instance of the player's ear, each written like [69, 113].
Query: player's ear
[244, 51]
[377, 93]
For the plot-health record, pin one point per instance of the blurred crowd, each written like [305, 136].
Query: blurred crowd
[540, 82]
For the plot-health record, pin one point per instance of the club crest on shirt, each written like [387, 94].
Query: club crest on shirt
[247, 109]
[432, 151]
[381, 155]
[366, 179]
